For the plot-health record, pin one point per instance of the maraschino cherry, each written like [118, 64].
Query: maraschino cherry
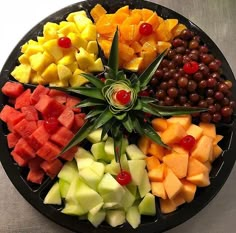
[123, 97]
[145, 29]
[64, 42]
[191, 67]
[188, 142]
[123, 178]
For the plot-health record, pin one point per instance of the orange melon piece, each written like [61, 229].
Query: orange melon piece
[217, 151]
[134, 64]
[152, 162]
[154, 21]
[146, 13]
[184, 120]
[178, 163]
[209, 129]
[173, 134]
[125, 9]
[157, 174]
[162, 32]
[201, 180]
[148, 57]
[167, 206]
[97, 12]
[156, 150]
[217, 139]
[159, 124]
[203, 149]
[129, 32]
[143, 144]
[178, 29]
[119, 17]
[208, 165]
[161, 46]
[172, 184]
[106, 46]
[195, 167]
[188, 191]
[136, 46]
[171, 23]
[158, 190]
[178, 149]
[179, 200]
[105, 25]
[195, 131]
[126, 53]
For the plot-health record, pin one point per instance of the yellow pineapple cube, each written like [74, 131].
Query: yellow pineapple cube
[84, 59]
[53, 49]
[92, 47]
[50, 30]
[70, 17]
[77, 41]
[23, 59]
[97, 66]
[50, 73]
[22, 73]
[59, 83]
[82, 21]
[39, 61]
[67, 27]
[89, 32]
[64, 73]
[77, 79]
[36, 78]
[67, 59]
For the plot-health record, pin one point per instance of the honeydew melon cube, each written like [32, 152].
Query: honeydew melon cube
[112, 197]
[134, 152]
[98, 168]
[113, 168]
[98, 151]
[109, 184]
[82, 21]
[90, 177]
[64, 187]
[148, 205]
[71, 193]
[128, 199]
[89, 33]
[97, 66]
[68, 171]
[54, 195]
[132, 188]
[98, 218]
[95, 136]
[87, 197]
[133, 216]
[137, 168]
[83, 158]
[115, 217]
[145, 185]
[73, 209]
[96, 209]
[111, 205]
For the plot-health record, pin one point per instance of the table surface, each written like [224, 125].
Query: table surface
[216, 17]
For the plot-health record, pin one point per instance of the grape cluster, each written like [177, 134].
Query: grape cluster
[205, 87]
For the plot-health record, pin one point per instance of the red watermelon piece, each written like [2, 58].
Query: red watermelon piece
[59, 96]
[67, 118]
[24, 150]
[62, 136]
[25, 128]
[52, 168]
[49, 151]
[23, 99]
[38, 91]
[19, 160]
[34, 164]
[36, 176]
[78, 122]
[70, 154]
[12, 89]
[30, 113]
[12, 139]
[71, 102]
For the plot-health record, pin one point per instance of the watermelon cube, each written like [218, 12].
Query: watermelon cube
[49, 107]
[36, 176]
[25, 128]
[11, 115]
[23, 99]
[59, 96]
[67, 118]
[71, 102]
[12, 139]
[49, 151]
[38, 91]
[69, 155]
[62, 136]
[19, 160]
[31, 114]
[52, 168]
[78, 122]
[24, 150]
[12, 89]
[34, 164]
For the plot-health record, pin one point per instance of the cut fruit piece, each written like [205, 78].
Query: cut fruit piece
[133, 216]
[143, 144]
[167, 206]
[73, 209]
[195, 131]
[53, 196]
[158, 189]
[98, 218]
[156, 150]
[145, 186]
[152, 162]
[201, 180]
[209, 129]
[184, 120]
[157, 174]
[83, 158]
[148, 205]
[128, 199]
[68, 171]
[137, 168]
[64, 187]
[115, 217]
[134, 152]
[159, 124]
[195, 167]
[188, 191]
[95, 136]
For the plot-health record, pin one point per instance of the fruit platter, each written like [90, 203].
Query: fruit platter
[117, 117]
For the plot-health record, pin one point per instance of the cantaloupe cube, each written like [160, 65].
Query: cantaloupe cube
[188, 191]
[152, 162]
[195, 131]
[167, 206]
[195, 167]
[143, 144]
[158, 190]
[157, 174]
[208, 165]
[178, 163]
[178, 200]
[201, 180]
[209, 129]
[216, 152]
[184, 120]
[203, 149]
[173, 134]
[217, 139]
[172, 184]
[156, 150]
[178, 149]
[159, 124]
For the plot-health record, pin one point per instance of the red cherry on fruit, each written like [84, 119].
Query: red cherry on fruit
[123, 178]
[123, 97]
[191, 67]
[145, 29]
[103, 79]
[51, 124]
[64, 42]
[188, 142]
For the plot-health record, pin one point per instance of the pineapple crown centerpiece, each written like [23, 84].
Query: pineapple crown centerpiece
[115, 104]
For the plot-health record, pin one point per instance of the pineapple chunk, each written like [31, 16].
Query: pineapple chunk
[50, 30]
[22, 73]
[50, 73]
[89, 33]
[97, 66]
[84, 59]
[77, 80]
[53, 49]
[92, 47]
[82, 21]
[64, 73]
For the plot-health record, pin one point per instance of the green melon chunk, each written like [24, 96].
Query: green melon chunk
[128, 199]
[133, 216]
[134, 152]
[64, 187]
[99, 153]
[83, 158]
[137, 168]
[73, 209]
[148, 205]
[95, 136]
[99, 168]
[68, 171]
[54, 195]
[145, 186]
[115, 217]
[98, 218]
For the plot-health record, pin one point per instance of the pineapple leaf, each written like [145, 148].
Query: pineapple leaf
[147, 100]
[150, 109]
[146, 76]
[128, 124]
[103, 118]
[90, 102]
[118, 139]
[94, 112]
[107, 127]
[94, 80]
[138, 105]
[113, 61]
